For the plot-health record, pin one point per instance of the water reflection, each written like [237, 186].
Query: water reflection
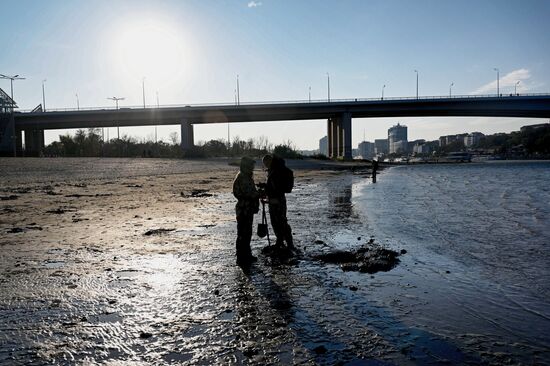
[339, 203]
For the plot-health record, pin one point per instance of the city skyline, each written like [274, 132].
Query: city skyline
[192, 52]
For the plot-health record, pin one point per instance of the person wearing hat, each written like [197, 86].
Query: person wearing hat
[247, 206]
[279, 181]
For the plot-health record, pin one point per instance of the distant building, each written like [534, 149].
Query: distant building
[323, 146]
[399, 147]
[534, 127]
[381, 146]
[366, 150]
[449, 139]
[472, 139]
[421, 147]
[397, 139]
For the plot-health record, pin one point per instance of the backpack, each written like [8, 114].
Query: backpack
[287, 179]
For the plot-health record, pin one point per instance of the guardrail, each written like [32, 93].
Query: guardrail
[307, 101]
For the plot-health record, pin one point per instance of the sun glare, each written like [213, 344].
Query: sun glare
[152, 50]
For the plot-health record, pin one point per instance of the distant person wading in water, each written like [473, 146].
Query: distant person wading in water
[280, 180]
[248, 205]
[374, 170]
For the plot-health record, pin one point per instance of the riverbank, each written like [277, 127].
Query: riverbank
[108, 260]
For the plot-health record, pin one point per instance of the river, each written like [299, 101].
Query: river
[477, 238]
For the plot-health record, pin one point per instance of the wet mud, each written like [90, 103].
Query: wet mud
[99, 291]
[369, 258]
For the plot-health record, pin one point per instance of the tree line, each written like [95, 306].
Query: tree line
[89, 143]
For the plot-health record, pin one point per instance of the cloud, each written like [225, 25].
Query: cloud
[254, 4]
[507, 83]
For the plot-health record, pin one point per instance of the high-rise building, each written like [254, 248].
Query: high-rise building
[472, 139]
[396, 134]
[323, 146]
[366, 149]
[381, 146]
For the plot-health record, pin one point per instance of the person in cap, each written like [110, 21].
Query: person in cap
[247, 206]
[279, 181]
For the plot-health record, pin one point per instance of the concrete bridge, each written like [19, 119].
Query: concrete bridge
[338, 113]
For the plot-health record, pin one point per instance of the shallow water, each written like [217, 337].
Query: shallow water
[488, 225]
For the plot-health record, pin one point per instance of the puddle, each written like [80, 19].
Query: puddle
[128, 273]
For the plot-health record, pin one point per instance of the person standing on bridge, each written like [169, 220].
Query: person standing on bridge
[280, 180]
[248, 205]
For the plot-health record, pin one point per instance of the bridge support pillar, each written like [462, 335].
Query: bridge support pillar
[34, 142]
[339, 136]
[187, 138]
[329, 138]
[345, 126]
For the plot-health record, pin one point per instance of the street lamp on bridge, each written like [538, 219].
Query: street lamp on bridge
[158, 106]
[13, 136]
[143, 89]
[498, 78]
[516, 87]
[77, 102]
[328, 86]
[238, 91]
[383, 87]
[416, 83]
[116, 99]
[450, 89]
[43, 96]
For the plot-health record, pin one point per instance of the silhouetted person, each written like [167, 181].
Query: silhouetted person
[374, 170]
[247, 206]
[280, 180]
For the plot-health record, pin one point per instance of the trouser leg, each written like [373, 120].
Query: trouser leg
[244, 235]
[279, 222]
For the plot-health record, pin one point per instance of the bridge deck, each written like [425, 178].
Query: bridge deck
[535, 106]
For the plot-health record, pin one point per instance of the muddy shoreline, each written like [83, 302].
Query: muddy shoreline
[105, 261]
[138, 265]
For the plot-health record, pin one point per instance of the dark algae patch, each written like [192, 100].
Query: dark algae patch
[370, 258]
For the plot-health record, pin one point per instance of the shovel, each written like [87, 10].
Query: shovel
[263, 230]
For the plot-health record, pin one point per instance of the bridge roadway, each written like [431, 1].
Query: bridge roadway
[338, 114]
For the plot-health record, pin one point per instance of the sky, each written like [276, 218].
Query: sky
[192, 51]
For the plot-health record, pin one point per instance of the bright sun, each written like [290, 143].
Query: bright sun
[152, 50]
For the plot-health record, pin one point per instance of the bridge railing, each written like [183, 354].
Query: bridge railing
[280, 102]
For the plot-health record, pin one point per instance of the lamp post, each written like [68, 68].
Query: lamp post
[450, 89]
[43, 96]
[143, 90]
[13, 136]
[516, 87]
[158, 106]
[116, 99]
[11, 78]
[498, 78]
[416, 71]
[309, 94]
[383, 87]
[77, 102]
[238, 91]
[328, 86]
